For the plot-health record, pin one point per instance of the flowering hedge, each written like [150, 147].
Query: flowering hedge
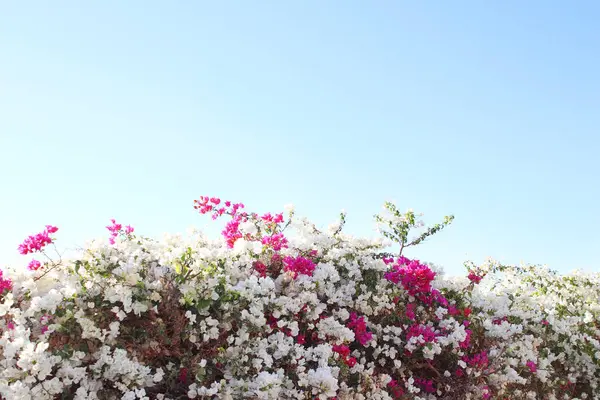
[278, 309]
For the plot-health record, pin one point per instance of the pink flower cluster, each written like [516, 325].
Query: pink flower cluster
[410, 311]
[270, 219]
[34, 265]
[344, 352]
[358, 325]
[208, 204]
[473, 277]
[115, 229]
[5, 283]
[467, 342]
[415, 278]
[231, 232]
[416, 330]
[395, 389]
[276, 241]
[299, 265]
[425, 384]
[478, 360]
[36, 242]
[532, 366]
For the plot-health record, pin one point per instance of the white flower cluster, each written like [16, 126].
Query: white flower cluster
[190, 317]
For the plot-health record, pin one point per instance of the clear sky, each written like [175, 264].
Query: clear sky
[488, 110]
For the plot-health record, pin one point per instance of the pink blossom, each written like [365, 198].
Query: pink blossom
[5, 283]
[486, 392]
[425, 331]
[396, 390]
[467, 342]
[51, 229]
[34, 265]
[232, 231]
[299, 265]
[414, 277]
[260, 268]
[425, 384]
[478, 360]
[342, 350]
[532, 366]
[276, 241]
[36, 242]
[359, 326]
[473, 277]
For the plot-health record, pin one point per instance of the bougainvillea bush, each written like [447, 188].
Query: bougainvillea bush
[278, 309]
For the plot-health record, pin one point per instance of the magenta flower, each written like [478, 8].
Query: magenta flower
[276, 241]
[36, 242]
[532, 366]
[359, 326]
[473, 277]
[115, 229]
[5, 283]
[34, 265]
[299, 265]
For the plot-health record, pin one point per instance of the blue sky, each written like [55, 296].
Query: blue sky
[488, 110]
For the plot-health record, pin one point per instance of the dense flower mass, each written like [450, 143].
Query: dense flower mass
[279, 309]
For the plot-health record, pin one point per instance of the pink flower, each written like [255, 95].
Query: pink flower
[532, 366]
[473, 277]
[479, 360]
[426, 384]
[232, 231]
[260, 268]
[414, 277]
[299, 265]
[486, 392]
[5, 284]
[358, 325]
[276, 241]
[36, 242]
[467, 342]
[34, 265]
[341, 349]
[51, 229]
[396, 390]
[416, 330]
[115, 229]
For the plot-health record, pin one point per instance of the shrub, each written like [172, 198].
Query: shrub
[278, 309]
